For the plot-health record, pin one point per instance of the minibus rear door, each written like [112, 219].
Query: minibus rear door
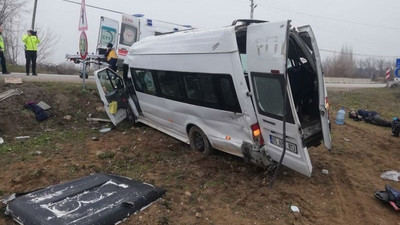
[308, 37]
[113, 93]
[267, 62]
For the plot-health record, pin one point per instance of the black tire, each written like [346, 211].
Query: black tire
[199, 141]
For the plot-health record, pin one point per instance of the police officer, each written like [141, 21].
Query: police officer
[31, 41]
[2, 58]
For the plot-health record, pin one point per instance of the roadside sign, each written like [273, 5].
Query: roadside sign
[397, 72]
[397, 62]
[83, 45]
[83, 25]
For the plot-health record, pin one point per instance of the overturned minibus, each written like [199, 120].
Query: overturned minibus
[223, 89]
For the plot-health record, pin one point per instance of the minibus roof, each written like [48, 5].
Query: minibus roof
[196, 41]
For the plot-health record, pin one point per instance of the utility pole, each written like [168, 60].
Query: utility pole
[34, 15]
[252, 7]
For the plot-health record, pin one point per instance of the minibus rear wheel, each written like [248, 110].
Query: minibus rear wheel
[199, 141]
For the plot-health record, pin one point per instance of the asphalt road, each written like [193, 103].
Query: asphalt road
[76, 79]
[49, 78]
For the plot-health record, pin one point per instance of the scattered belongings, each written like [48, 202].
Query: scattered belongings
[13, 80]
[22, 137]
[9, 93]
[391, 175]
[346, 139]
[104, 130]
[1, 140]
[43, 105]
[390, 195]
[96, 199]
[371, 117]
[90, 119]
[39, 112]
[325, 171]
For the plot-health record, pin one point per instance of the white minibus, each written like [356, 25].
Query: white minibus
[223, 89]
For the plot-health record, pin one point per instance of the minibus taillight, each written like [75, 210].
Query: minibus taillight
[256, 131]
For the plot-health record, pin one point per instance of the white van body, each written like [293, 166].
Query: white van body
[224, 87]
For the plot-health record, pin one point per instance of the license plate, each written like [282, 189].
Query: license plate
[279, 142]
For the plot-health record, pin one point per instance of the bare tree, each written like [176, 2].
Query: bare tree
[10, 20]
[342, 64]
[48, 40]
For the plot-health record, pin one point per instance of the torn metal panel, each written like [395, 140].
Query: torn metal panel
[9, 93]
[95, 199]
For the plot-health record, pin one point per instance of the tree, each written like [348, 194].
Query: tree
[10, 20]
[342, 64]
[47, 42]
[14, 28]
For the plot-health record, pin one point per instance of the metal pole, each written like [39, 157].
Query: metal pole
[251, 9]
[34, 15]
[84, 73]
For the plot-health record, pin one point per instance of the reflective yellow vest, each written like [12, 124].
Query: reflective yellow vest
[1, 43]
[30, 42]
[112, 55]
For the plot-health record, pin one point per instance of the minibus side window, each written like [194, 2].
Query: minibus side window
[208, 90]
[170, 84]
[228, 95]
[192, 87]
[143, 81]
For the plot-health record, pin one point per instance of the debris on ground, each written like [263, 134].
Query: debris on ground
[391, 175]
[95, 199]
[43, 105]
[22, 137]
[40, 114]
[104, 130]
[95, 120]
[1, 140]
[325, 171]
[67, 117]
[13, 80]
[6, 94]
[295, 209]
[346, 139]
[95, 138]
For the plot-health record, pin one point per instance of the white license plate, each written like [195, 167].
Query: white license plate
[279, 142]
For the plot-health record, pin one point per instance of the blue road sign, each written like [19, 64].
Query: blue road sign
[397, 72]
[397, 62]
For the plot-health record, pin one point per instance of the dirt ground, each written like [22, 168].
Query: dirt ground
[220, 189]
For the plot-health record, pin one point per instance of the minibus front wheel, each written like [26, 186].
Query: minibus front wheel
[199, 141]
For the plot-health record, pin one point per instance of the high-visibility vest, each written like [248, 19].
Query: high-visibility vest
[1, 42]
[30, 42]
[112, 55]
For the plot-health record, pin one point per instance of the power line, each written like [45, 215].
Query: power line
[333, 19]
[359, 54]
[114, 11]
[96, 7]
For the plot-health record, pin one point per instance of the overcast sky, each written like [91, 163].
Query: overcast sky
[370, 27]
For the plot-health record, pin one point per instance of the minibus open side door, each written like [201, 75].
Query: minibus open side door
[308, 37]
[113, 93]
[267, 51]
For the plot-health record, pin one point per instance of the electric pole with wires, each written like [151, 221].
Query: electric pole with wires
[252, 7]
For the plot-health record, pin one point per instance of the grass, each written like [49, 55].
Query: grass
[386, 101]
